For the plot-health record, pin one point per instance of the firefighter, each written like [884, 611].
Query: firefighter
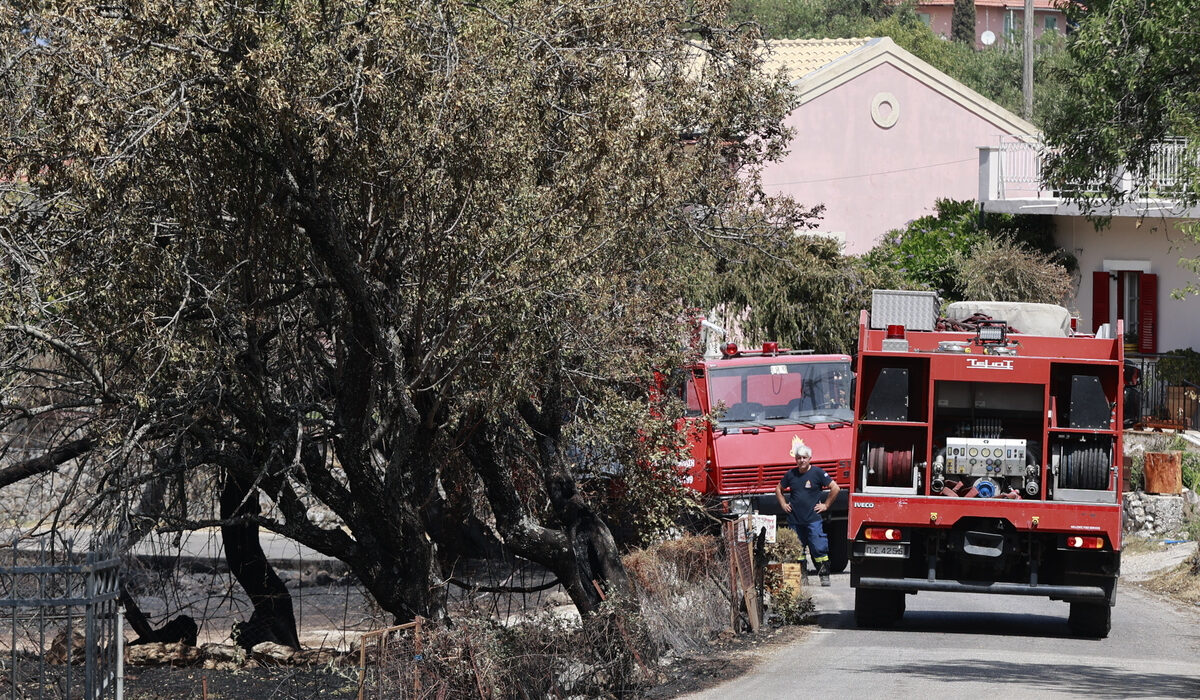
[804, 504]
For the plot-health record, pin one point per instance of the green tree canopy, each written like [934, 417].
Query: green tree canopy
[962, 24]
[1134, 82]
[802, 292]
[1132, 99]
[994, 72]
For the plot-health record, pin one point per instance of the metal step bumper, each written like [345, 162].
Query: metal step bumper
[999, 588]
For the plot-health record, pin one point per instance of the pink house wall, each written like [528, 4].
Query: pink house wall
[992, 19]
[874, 179]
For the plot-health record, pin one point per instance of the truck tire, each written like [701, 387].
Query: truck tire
[876, 608]
[1090, 619]
[839, 553]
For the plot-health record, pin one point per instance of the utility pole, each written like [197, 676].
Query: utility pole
[1027, 82]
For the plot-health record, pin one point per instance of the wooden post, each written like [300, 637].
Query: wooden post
[1164, 473]
[741, 577]
[731, 547]
[418, 656]
[750, 591]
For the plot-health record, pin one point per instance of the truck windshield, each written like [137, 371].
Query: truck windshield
[781, 393]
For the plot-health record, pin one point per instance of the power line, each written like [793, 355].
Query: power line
[882, 172]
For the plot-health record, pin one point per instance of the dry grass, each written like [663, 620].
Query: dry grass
[1181, 583]
[1141, 545]
[687, 559]
[682, 602]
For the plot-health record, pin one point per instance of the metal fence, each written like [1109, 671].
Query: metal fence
[1159, 404]
[60, 626]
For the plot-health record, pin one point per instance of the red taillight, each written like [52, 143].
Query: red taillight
[895, 331]
[1079, 542]
[882, 533]
[770, 348]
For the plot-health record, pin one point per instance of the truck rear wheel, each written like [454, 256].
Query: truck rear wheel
[1091, 619]
[876, 608]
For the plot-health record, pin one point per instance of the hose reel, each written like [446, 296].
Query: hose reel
[1083, 465]
[888, 467]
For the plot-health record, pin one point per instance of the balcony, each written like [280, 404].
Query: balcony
[1010, 182]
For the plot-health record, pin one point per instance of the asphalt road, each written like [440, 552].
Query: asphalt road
[979, 646]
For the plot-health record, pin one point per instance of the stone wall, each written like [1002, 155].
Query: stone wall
[1150, 515]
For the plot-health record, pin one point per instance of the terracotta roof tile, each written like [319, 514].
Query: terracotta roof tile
[799, 57]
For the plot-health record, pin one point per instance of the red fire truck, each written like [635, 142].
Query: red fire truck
[987, 453]
[759, 399]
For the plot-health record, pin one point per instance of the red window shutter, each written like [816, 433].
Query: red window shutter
[1148, 313]
[1099, 299]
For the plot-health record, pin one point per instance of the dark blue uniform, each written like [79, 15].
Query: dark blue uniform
[807, 490]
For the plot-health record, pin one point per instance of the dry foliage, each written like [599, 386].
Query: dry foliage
[787, 547]
[1003, 270]
[607, 654]
[681, 587]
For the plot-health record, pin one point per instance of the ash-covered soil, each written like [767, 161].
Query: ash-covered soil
[280, 683]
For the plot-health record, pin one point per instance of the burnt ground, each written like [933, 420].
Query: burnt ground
[333, 611]
[284, 683]
[723, 659]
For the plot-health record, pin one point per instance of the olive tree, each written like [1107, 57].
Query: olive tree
[360, 257]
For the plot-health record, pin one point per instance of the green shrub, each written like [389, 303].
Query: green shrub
[1191, 470]
[787, 547]
[1137, 473]
[1192, 527]
[925, 250]
[1190, 464]
[1179, 366]
[787, 606]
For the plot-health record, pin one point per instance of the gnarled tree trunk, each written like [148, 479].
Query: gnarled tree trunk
[273, 619]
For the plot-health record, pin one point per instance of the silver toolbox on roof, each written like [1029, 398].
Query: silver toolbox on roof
[916, 311]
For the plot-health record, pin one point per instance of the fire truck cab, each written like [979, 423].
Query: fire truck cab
[987, 457]
[758, 400]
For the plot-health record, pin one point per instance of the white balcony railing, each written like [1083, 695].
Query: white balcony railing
[1018, 172]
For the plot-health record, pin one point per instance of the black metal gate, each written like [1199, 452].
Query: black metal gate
[60, 621]
[1158, 404]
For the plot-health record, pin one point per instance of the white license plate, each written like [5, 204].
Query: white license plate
[886, 550]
